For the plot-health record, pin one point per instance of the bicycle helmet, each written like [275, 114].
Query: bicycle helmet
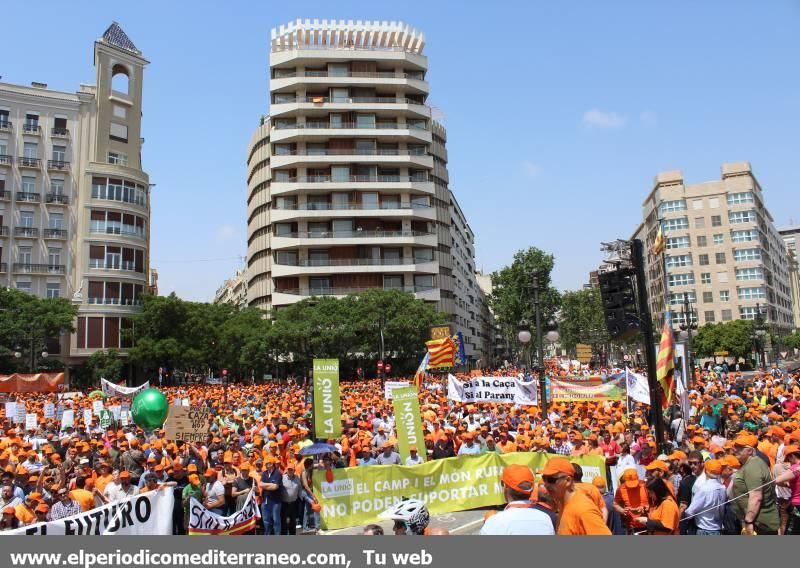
[412, 512]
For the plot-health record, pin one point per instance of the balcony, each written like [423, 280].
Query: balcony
[5, 195]
[5, 126]
[348, 291]
[29, 197]
[32, 128]
[354, 179]
[349, 206]
[59, 133]
[352, 234]
[3, 267]
[55, 234]
[312, 263]
[57, 198]
[350, 100]
[116, 230]
[315, 125]
[6, 160]
[57, 165]
[33, 163]
[354, 152]
[3, 231]
[102, 264]
[28, 232]
[115, 301]
[361, 75]
[27, 268]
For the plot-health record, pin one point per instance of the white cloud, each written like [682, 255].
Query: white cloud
[648, 117]
[601, 119]
[226, 233]
[531, 169]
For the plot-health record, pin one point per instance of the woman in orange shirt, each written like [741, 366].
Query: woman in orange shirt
[578, 515]
[664, 514]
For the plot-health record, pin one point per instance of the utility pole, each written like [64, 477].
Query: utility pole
[539, 346]
[646, 321]
[687, 318]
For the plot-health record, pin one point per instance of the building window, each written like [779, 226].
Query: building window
[719, 239]
[705, 278]
[119, 132]
[727, 315]
[724, 295]
[54, 257]
[28, 184]
[670, 206]
[59, 153]
[748, 312]
[56, 221]
[736, 217]
[120, 112]
[716, 221]
[699, 222]
[720, 258]
[749, 274]
[53, 290]
[672, 242]
[24, 287]
[756, 293]
[741, 255]
[739, 198]
[677, 298]
[709, 315]
[30, 150]
[679, 260]
[118, 158]
[57, 186]
[703, 260]
[684, 279]
[392, 282]
[676, 224]
[708, 297]
[26, 219]
[744, 236]
[702, 241]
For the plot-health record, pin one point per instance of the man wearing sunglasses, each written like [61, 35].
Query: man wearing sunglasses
[520, 515]
[578, 515]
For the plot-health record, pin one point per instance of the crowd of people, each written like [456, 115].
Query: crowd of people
[732, 465]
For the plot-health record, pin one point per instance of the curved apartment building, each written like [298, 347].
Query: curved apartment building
[347, 177]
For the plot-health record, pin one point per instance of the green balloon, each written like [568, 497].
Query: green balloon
[149, 409]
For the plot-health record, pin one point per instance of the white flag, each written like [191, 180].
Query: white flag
[638, 387]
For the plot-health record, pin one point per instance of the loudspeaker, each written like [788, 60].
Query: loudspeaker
[619, 303]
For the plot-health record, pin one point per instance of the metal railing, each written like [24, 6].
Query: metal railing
[5, 195]
[102, 264]
[3, 267]
[3, 231]
[6, 124]
[26, 232]
[350, 100]
[25, 162]
[349, 207]
[352, 179]
[31, 128]
[57, 164]
[115, 301]
[352, 234]
[349, 125]
[57, 198]
[55, 233]
[28, 196]
[39, 268]
[60, 132]
[6, 159]
[354, 152]
[311, 47]
[349, 262]
[361, 75]
[344, 291]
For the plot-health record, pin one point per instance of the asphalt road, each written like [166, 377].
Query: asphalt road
[462, 522]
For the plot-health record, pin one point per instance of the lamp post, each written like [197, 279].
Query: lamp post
[759, 332]
[44, 354]
[687, 326]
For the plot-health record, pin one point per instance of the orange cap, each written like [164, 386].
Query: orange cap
[789, 450]
[731, 461]
[630, 477]
[657, 464]
[558, 465]
[746, 440]
[714, 467]
[599, 482]
[519, 478]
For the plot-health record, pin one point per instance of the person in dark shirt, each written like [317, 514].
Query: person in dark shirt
[689, 473]
[443, 448]
[179, 478]
[271, 481]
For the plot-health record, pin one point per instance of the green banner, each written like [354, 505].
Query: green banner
[408, 421]
[358, 495]
[327, 399]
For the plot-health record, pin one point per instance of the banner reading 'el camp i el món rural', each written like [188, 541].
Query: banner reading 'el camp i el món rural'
[327, 400]
[408, 421]
[570, 391]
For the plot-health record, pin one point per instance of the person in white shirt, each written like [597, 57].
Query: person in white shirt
[519, 517]
[215, 493]
[414, 458]
[118, 491]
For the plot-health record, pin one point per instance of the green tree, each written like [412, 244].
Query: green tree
[25, 320]
[581, 319]
[104, 365]
[791, 341]
[735, 337]
[512, 296]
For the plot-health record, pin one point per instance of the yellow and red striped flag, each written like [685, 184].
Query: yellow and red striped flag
[665, 363]
[442, 353]
[660, 244]
[419, 376]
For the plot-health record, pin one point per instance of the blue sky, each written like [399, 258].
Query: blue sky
[559, 114]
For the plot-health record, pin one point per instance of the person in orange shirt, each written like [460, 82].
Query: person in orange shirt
[579, 448]
[664, 515]
[105, 477]
[506, 445]
[25, 510]
[590, 491]
[631, 500]
[83, 494]
[578, 515]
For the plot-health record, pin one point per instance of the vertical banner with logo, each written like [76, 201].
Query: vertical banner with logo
[327, 399]
[408, 421]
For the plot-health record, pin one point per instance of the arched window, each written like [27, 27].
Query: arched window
[119, 79]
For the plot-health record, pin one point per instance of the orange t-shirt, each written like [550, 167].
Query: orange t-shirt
[592, 493]
[24, 515]
[102, 481]
[581, 516]
[84, 498]
[669, 515]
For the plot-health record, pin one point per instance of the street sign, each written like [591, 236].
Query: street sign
[440, 331]
[388, 367]
[380, 365]
[784, 354]
[583, 352]
[720, 353]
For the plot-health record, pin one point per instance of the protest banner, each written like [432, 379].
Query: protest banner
[31, 422]
[389, 386]
[97, 407]
[87, 419]
[187, 423]
[11, 410]
[106, 419]
[327, 400]
[637, 387]
[582, 379]
[204, 522]
[358, 495]
[111, 389]
[408, 422]
[20, 418]
[570, 391]
[67, 419]
[49, 410]
[499, 390]
[146, 514]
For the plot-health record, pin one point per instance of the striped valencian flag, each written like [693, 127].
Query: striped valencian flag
[442, 353]
[419, 376]
[665, 364]
[660, 244]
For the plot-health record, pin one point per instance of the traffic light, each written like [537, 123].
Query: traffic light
[619, 303]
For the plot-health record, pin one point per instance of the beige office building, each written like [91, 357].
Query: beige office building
[791, 238]
[347, 177]
[74, 200]
[722, 249]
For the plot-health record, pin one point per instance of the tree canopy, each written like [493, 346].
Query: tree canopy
[735, 337]
[581, 319]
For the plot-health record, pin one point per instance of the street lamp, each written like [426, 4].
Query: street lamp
[687, 326]
[759, 331]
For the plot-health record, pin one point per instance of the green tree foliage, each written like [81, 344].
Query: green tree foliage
[512, 296]
[24, 318]
[735, 337]
[104, 365]
[581, 319]
[791, 341]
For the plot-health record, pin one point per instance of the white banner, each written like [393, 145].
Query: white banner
[389, 386]
[203, 521]
[31, 421]
[502, 390]
[49, 410]
[638, 387]
[68, 419]
[11, 410]
[110, 389]
[150, 513]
